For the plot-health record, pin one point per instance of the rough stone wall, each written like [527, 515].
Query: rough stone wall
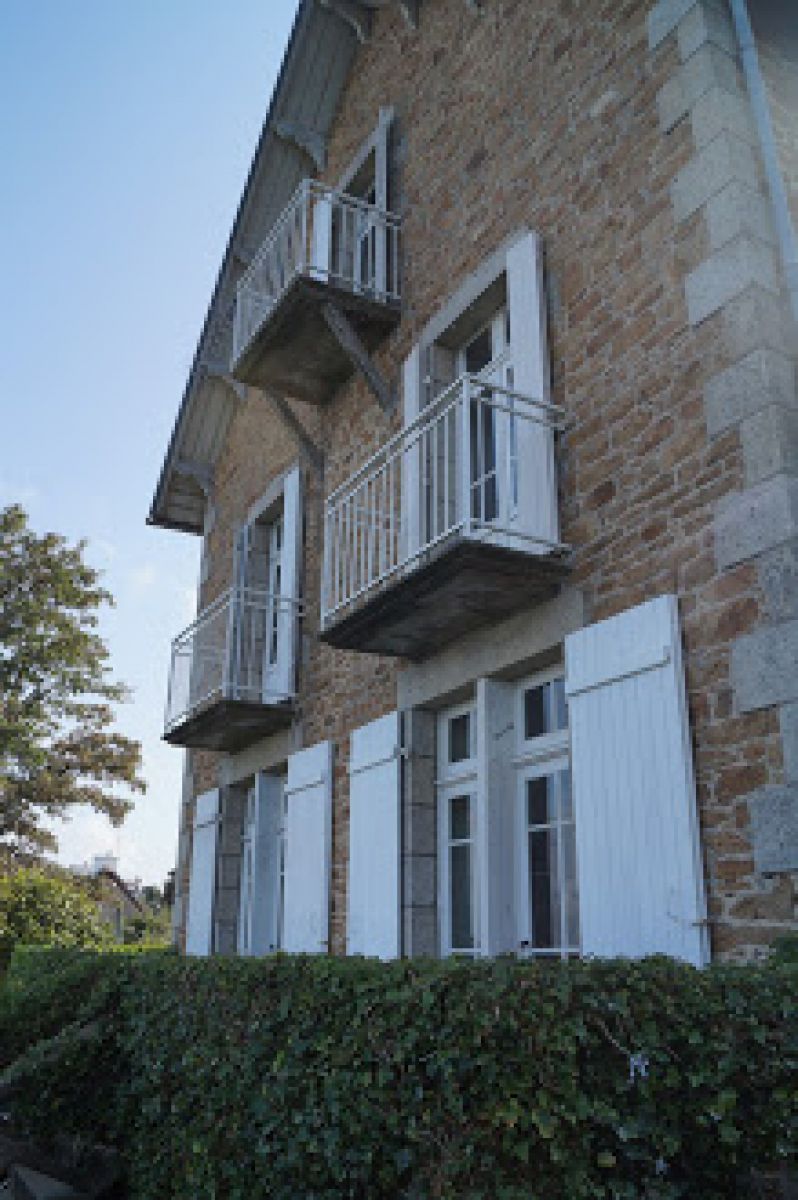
[735, 614]
[599, 129]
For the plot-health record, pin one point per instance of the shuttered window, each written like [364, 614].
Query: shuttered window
[640, 877]
[202, 883]
[308, 840]
[373, 905]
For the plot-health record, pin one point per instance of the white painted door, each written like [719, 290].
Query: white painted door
[202, 881]
[641, 886]
[308, 845]
[373, 902]
[280, 640]
[260, 919]
[247, 882]
[486, 356]
[366, 244]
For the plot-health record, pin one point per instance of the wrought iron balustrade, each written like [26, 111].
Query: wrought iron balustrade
[325, 236]
[477, 463]
[225, 654]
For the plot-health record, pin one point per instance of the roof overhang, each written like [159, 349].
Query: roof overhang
[291, 146]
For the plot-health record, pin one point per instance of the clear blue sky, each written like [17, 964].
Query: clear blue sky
[126, 131]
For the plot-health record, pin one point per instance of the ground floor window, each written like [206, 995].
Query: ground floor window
[261, 915]
[548, 913]
[527, 809]
[457, 777]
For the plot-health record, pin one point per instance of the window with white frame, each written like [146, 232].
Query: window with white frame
[266, 573]
[547, 906]
[247, 882]
[486, 355]
[262, 880]
[457, 827]
[506, 828]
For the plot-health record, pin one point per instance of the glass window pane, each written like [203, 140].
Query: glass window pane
[460, 887]
[460, 738]
[559, 705]
[459, 818]
[541, 804]
[570, 886]
[479, 352]
[544, 889]
[534, 712]
[545, 709]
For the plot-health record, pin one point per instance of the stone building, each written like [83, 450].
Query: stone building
[491, 439]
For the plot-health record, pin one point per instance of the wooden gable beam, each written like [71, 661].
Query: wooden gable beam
[306, 443]
[310, 141]
[349, 341]
[219, 371]
[200, 472]
[410, 11]
[356, 15]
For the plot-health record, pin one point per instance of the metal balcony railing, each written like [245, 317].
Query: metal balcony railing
[478, 462]
[229, 652]
[326, 236]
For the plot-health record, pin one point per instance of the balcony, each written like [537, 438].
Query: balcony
[224, 692]
[327, 249]
[453, 524]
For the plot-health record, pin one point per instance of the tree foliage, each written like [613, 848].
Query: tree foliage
[39, 908]
[58, 747]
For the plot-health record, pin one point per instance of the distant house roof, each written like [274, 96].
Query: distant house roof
[122, 887]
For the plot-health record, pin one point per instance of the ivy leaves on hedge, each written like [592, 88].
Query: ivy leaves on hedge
[315, 1077]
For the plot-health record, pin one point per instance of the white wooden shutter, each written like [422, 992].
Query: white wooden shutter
[308, 850]
[537, 512]
[266, 863]
[202, 884]
[641, 888]
[373, 903]
[280, 676]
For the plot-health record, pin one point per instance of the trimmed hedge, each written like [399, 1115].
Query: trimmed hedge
[317, 1077]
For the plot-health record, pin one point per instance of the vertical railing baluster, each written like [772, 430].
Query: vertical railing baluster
[393, 554]
[446, 504]
[355, 546]
[337, 556]
[345, 550]
[435, 469]
[480, 464]
[371, 530]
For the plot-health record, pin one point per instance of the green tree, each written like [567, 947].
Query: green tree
[45, 908]
[58, 747]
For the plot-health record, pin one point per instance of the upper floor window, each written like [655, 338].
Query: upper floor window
[266, 578]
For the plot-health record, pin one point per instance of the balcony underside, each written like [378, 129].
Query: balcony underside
[295, 352]
[461, 585]
[229, 725]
